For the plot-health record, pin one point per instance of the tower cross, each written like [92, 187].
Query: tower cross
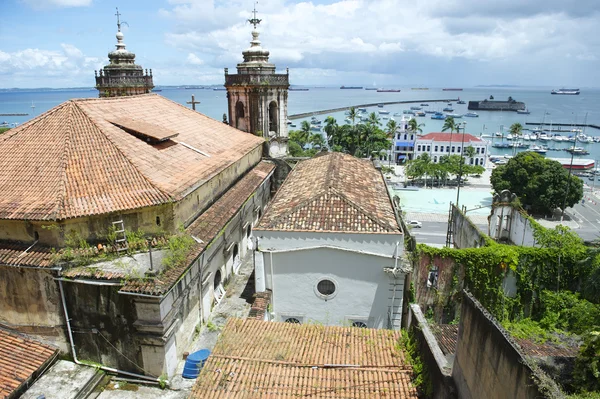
[118, 19]
[254, 21]
[193, 102]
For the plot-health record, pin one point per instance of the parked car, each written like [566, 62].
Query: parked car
[414, 223]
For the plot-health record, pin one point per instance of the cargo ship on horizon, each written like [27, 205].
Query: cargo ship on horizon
[572, 92]
[351, 87]
[452, 89]
[388, 90]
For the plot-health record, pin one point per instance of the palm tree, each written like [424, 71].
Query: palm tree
[469, 152]
[330, 129]
[391, 126]
[516, 130]
[317, 141]
[352, 114]
[374, 119]
[450, 124]
[414, 126]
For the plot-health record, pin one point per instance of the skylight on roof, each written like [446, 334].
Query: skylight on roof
[144, 130]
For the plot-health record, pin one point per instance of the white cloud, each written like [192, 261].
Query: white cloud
[43, 4]
[68, 65]
[194, 60]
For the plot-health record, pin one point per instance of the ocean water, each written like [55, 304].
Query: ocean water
[544, 107]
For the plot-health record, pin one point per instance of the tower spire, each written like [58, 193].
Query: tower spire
[254, 21]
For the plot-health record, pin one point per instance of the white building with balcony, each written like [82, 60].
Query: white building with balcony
[439, 144]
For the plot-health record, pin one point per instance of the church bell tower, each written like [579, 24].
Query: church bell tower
[122, 77]
[257, 96]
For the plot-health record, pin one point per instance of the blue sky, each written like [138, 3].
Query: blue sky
[59, 43]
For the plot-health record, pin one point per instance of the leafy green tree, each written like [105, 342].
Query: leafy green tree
[300, 137]
[516, 129]
[540, 183]
[587, 364]
[317, 141]
[294, 149]
[373, 119]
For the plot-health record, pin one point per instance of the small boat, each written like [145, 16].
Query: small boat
[424, 105]
[449, 104]
[397, 113]
[538, 149]
[438, 115]
[315, 128]
[455, 116]
[502, 145]
[558, 137]
[577, 151]
[415, 108]
[509, 137]
[448, 109]
[314, 121]
[362, 110]
[289, 122]
[523, 111]
[584, 138]
[471, 115]
[461, 102]
[420, 113]
[430, 111]
[407, 112]
[491, 97]
[380, 105]
[383, 112]
[544, 137]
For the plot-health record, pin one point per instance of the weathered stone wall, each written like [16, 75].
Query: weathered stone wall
[30, 304]
[440, 371]
[102, 323]
[508, 224]
[487, 362]
[438, 297]
[465, 233]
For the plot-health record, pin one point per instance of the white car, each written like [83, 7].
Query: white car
[414, 223]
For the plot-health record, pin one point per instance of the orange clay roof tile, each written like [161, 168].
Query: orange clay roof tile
[19, 254]
[72, 161]
[334, 192]
[258, 359]
[20, 357]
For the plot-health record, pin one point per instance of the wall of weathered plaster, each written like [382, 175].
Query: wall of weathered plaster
[89, 228]
[439, 297]
[487, 363]
[197, 200]
[30, 304]
[102, 321]
[439, 370]
[508, 224]
[465, 233]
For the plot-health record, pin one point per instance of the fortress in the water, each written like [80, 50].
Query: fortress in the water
[491, 105]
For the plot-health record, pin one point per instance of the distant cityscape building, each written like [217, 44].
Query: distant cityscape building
[122, 77]
[440, 144]
[257, 96]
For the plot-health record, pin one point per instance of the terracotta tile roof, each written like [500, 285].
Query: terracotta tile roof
[20, 359]
[72, 161]
[447, 335]
[258, 359]
[334, 192]
[13, 254]
[446, 137]
[207, 227]
[260, 305]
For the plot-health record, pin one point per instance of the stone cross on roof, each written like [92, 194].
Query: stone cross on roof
[254, 21]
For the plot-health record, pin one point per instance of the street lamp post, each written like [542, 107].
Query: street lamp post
[462, 151]
[562, 213]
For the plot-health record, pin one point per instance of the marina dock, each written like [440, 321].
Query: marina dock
[329, 111]
[568, 125]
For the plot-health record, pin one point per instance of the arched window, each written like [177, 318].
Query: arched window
[239, 110]
[217, 279]
[273, 112]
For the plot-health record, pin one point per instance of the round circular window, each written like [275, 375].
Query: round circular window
[359, 324]
[326, 288]
[292, 320]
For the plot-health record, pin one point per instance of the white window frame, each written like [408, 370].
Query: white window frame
[286, 316]
[326, 297]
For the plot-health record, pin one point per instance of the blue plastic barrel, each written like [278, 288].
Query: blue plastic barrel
[194, 363]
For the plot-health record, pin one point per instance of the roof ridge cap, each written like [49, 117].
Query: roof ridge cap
[361, 209]
[101, 131]
[62, 191]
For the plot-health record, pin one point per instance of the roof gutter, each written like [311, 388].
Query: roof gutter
[71, 342]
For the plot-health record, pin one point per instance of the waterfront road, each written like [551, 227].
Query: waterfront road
[434, 233]
[587, 215]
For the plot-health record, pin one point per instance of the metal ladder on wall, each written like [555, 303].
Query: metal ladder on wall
[121, 236]
[449, 232]
[395, 308]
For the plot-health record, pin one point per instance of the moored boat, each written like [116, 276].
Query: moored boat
[471, 115]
